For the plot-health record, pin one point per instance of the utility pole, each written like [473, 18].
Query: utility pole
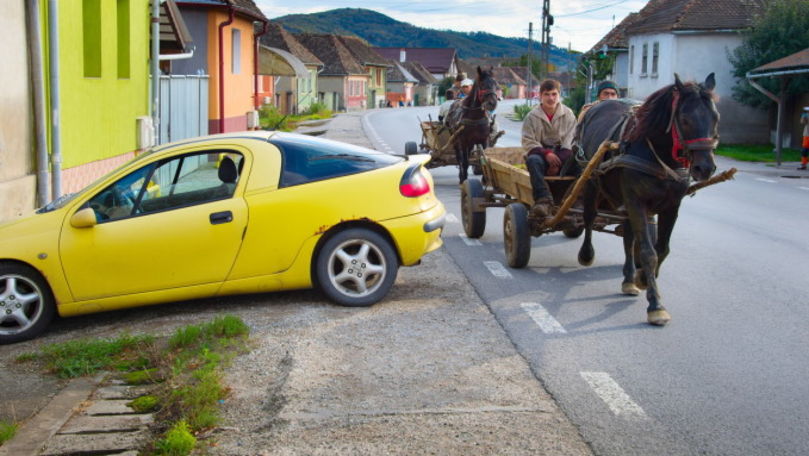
[547, 22]
[528, 86]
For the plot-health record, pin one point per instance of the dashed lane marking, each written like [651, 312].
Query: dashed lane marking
[613, 395]
[804, 188]
[497, 269]
[469, 242]
[542, 318]
[452, 219]
[769, 181]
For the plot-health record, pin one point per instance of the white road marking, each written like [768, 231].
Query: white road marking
[497, 269]
[769, 181]
[469, 242]
[542, 318]
[804, 188]
[452, 219]
[613, 395]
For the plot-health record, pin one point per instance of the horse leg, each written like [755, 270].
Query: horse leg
[628, 287]
[640, 279]
[586, 252]
[462, 163]
[666, 222]
[656, 314]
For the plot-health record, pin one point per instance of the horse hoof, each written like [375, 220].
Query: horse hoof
[658, 317]
[629, 288]
[586, 258]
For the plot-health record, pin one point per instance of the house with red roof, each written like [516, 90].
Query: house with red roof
[692, 38]
[440, 62]
[343, 82]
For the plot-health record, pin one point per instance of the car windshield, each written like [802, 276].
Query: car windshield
[67, 198]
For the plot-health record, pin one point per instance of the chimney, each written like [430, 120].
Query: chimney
[402, 55]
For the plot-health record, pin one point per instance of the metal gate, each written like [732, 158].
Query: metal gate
[183, 107]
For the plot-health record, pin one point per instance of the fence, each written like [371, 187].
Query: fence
[183, 107]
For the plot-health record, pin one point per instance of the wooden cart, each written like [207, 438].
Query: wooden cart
[508, 185]
[437, 140]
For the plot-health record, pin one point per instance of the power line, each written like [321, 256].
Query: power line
[578, 13]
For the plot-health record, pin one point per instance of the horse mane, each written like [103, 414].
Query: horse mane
[654, 114]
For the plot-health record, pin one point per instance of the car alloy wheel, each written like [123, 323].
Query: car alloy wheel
[26, 303]
[356, 267]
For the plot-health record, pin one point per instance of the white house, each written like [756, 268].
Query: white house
[693, 38]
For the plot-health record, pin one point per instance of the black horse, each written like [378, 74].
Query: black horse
[471, 113]
[670, 139]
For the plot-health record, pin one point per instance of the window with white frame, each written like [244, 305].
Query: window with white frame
[236, 51]
[631, 58]
[655, 53]
[644, 59]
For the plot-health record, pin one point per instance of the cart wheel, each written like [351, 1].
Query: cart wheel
[411, 148]
[573, 233]
[516, 235]
[474, 222]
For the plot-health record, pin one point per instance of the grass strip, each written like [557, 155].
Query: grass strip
[757, 153]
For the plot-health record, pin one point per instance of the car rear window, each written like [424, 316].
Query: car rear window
[309, 159]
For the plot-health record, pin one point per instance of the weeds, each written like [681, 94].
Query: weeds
[521, 111]
[7, 431]
[271, 118]
[185, 370]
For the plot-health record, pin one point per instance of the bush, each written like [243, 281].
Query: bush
[272, 119]
[521, 111]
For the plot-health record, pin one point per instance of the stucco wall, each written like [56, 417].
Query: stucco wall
[700, 55]
[238, 88]
[693, 57]
[98, 113]
[197, 22]
[17, 175]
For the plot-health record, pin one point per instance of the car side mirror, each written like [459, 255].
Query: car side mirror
[85, 218]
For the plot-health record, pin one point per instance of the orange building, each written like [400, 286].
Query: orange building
[226, 50]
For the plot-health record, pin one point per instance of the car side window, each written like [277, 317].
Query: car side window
[169, 184]
[307, 160]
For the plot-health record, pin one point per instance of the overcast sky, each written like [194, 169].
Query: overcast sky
[580, 23]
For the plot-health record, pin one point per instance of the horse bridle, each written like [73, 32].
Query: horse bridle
[681, 148]
[480, 95]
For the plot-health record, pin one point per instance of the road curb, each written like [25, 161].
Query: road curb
[41, 427]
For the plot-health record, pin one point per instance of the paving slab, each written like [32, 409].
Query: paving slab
[88, 424]
[62, 444]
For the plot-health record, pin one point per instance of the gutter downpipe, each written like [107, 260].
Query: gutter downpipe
[256, 41]
[56, 137]
[154, 69]
[40, 118]
[222, 68]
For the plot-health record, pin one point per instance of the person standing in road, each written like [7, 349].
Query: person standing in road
[444, 108]
[805, 144]
[547, 137]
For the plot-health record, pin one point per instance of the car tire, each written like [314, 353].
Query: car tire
[411, 148]
[26, 303]
[344, 281]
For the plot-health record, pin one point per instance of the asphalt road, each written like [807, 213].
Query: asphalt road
[728, 375]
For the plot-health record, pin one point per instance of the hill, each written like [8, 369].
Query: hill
[382, 31]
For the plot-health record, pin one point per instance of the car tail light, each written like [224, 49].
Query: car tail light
[414, 183]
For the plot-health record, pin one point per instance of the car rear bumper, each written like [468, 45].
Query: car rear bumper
[417, 234]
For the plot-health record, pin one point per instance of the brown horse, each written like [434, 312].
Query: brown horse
[471, 113]
[672, 140]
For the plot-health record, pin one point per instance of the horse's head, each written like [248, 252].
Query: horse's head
[694, 126]
[485, 90]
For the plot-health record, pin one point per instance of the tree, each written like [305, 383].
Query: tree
[782, 29]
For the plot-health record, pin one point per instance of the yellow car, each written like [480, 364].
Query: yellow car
[226, 214]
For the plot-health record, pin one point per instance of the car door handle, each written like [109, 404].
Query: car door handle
[218, 218]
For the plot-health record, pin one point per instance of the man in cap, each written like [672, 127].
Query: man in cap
[466, 87]
[606, 90]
